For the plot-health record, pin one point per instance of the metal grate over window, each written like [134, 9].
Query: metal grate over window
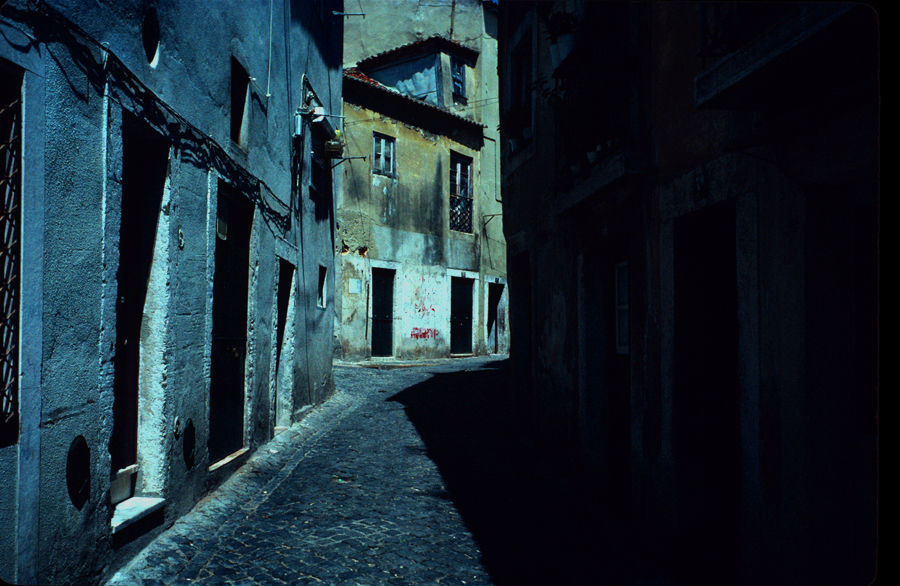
[460, 193]
[10, 198]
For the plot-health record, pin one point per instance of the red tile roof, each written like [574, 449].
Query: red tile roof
[356, 75]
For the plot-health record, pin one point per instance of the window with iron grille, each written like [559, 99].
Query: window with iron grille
[240, 102]
[10, 200]
[460, 193]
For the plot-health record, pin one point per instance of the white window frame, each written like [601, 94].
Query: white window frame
[382, 143]
[457, 162]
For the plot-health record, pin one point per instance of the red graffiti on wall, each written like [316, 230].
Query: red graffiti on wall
[423, 333]
[422, 309]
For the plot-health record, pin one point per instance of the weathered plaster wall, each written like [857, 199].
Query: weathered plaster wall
[79, 129]
[20, 462]
[405, 219]
[410, 20]
[9, 523]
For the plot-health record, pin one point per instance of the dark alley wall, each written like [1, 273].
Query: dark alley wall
[218, 85]
[709, 220]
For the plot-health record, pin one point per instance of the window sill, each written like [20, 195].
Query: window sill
[132, 510]
[228, 458]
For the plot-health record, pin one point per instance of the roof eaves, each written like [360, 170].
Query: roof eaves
[357, 76]
[422, 45]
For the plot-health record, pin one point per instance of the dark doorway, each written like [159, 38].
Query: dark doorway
[461, 315]
[285, 287]
[607, 378]
[705, 428]
[495, 292]
[382, 312]
[234, 217]
[617, 274]
[520, 339]
[145, 158]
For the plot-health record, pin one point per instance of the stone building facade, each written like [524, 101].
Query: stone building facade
[420, 250]
[167, 260]
[691, 207]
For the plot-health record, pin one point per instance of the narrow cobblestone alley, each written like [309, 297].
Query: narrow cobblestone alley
[406, 475]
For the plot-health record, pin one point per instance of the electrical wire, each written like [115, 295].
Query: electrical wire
[50, 12]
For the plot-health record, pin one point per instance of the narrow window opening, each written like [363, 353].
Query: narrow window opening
[10, 261]
[323, 293]
[458, 74]
[461, 207]
[150, 36]
[383, 154]
[240, 102]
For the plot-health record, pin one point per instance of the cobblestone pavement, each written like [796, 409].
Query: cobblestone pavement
[350, 495]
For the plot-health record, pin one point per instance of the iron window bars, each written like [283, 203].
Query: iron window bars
[460, 193]
[10, 205]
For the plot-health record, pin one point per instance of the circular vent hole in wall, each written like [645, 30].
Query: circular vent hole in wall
[190, 443]
[150, 35]
[78, 472]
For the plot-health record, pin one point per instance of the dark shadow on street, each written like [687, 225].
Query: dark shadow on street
[519, 505]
